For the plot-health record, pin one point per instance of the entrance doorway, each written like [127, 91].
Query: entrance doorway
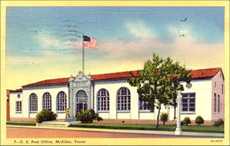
[81, 101]
[81, 107]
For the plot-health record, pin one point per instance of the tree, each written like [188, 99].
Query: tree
[159, 82]
[180, 74]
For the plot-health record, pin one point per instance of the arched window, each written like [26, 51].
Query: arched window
[123, 99]
[46, 101]
[103, 100]
[81, 96]
[33, 102]
[61, 101]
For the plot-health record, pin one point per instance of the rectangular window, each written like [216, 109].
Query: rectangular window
[144, 105]
[214, 102]
[18, 106]
[188, 102]
[222, 89]
[218, 104]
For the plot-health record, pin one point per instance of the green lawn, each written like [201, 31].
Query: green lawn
[22, 123]
[191, 128]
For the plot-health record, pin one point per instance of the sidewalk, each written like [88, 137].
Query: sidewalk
[192, 134]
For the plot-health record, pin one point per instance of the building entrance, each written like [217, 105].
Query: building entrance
[81, 101]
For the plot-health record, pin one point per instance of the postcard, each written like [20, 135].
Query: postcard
[114, 72]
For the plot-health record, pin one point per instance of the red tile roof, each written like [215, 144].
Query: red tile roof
[49, 82]
[204, 73]
[196, 74]
[116, 75]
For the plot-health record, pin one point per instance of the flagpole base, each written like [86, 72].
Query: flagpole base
[178, 131]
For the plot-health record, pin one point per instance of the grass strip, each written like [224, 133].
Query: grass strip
[194, 128]
[22, 123]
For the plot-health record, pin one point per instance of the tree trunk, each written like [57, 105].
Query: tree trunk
[158, 116]
[174, 112]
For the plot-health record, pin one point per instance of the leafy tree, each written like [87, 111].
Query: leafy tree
[159, 82]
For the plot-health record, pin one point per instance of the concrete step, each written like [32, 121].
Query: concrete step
[56, 123]
[53, 124]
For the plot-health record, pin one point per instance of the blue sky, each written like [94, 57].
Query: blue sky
[38, 40]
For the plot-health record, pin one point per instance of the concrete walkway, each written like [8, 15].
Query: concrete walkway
[190, 134]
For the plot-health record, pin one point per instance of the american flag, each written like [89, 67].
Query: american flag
[89, 42]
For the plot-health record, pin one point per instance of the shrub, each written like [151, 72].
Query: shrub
[199, 120]
[164, 118]
[186, 121]
[98, 118]
[39, 118]
[45, 115]
[87, 116]
[182, 123]
[218, 122]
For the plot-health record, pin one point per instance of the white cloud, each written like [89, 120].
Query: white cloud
[120, 54]
[130, 48]
[176, 31]
[188, 50]
[195, 53]
[51, 58]
[139, 29]
[48, 41]
[25, 60]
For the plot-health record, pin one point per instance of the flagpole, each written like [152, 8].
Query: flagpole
[83, 55]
